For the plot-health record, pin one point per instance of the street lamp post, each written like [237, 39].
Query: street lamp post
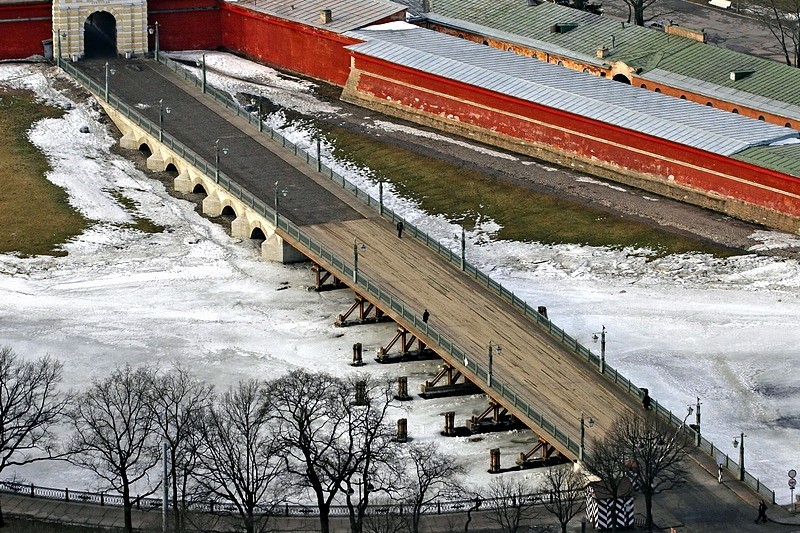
[109, 72]
[216, 159]
[740, 444]
[493, 347]
[584, 422]
[58, 36]
[204, 73]
[161, 110]
[153, 30]
[356, 246]
[463, 249]
[602, 348]
[278, 193]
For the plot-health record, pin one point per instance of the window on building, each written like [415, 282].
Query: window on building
[735, 111]
[761, 117]
[658, 90]
[709, 104]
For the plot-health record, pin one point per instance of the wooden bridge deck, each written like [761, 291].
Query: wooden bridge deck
[555, 381]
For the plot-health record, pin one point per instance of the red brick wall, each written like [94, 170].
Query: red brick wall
[610, 145]
[24, 38]
[185, 24]
[285, 44]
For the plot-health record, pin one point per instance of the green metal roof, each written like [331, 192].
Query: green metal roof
[668, 59]
[784, 158]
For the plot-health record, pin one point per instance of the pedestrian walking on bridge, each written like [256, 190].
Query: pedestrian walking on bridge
[762, 512]
[400, 230]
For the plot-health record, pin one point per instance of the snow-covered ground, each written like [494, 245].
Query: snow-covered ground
[687, 325]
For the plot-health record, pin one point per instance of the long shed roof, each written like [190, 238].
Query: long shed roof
[657, 56]
[597, 98]
[346, 14]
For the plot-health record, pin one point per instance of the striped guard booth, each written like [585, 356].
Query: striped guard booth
[599, 505]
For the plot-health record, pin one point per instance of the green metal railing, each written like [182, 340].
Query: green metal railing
[464, 359]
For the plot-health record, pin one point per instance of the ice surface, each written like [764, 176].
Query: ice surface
[683, 325]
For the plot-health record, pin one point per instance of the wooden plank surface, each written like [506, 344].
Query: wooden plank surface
[556, 382]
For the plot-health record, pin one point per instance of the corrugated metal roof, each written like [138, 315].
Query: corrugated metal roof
[346, 14]
[773, 86]
[729, 94]
[781, 158]
[601, 99]
[625, 41]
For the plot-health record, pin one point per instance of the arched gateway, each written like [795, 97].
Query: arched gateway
[99, 28]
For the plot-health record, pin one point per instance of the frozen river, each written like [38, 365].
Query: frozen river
[726, 330]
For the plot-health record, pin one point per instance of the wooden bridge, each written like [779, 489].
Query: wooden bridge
[542, 376]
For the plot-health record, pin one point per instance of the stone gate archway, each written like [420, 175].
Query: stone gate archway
[100, 35]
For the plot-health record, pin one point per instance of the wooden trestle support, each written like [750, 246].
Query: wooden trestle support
[324, 280]
[407, 353]
[494, 418]
[367, 314]
[451, 386]
[542, 454]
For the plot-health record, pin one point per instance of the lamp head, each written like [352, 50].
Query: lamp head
[735, 443]
[151, 30]
[594, 337]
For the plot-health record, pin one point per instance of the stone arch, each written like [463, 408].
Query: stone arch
[172, 168]
[199, 188]
[144, 147]
[788, 125]
[622, 78]
[258, 234]
[100, 35]
[228, 212]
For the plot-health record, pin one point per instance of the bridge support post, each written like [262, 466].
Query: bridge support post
[357, 358]
[402, 389]
[494, 461]
[361, 393]
[182, 183]
[449, 424]
[240, 228]
[402, 430]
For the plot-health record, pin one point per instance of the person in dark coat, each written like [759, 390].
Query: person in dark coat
[762, 512]
[400, 230]
[646, 400]
[425, 316]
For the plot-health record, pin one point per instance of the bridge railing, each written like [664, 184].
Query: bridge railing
[282, 509]
[569, 342]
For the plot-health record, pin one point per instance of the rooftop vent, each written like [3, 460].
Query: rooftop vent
[737, 75]
[603, 52]
[563, 27]
[325, 16]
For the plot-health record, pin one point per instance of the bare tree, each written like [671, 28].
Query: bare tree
[567, 497]
[782, 18]
[637, 8]
[29, 406]
[179, 403]
[240, 462]
[113, 433]
[510, 503]
[432, 477]
[322, 431]
[370, 443]
[607, 461]
[655, 453]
